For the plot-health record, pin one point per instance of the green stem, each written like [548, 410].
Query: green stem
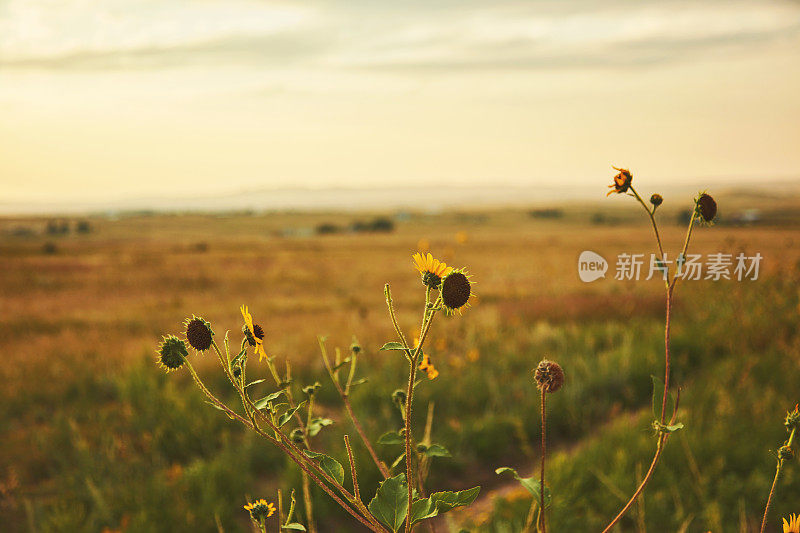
[775, 481]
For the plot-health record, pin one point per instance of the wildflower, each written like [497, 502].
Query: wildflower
[255, 334]
[198, 333]
[622, 181]
[656, 200]
[456, 290]
[427, 366]
[792, 525]
[706, 207]
[260, 510]
[549, 376]
[432, 270]
[172, 353]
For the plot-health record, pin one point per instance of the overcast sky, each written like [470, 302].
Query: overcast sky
[111, 98]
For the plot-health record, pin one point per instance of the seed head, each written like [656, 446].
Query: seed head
[656, 200]
[456, 290]
[172, 353]
[199, 334]
[706, 207]
[549, 376]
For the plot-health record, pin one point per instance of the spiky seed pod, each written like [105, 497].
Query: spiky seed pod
[792, 419]
[549, 376]
[199, 334]
[456, 290]
[656, 200]
[172, 353]
[706, 207]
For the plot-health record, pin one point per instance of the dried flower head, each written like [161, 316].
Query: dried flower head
[260, 510]
[785, 453]
[432, 270]
[622, 181]
[656, 200]
[706, 207]
[172, 353]
[549, 376]
[456, 290]
[199, 333]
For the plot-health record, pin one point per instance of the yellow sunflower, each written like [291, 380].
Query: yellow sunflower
[432, 270]
[792, 525]
[260, 510]
[252, 333]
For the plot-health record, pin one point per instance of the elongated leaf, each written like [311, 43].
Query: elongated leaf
[531, 484]
[262, 403]
[391, 437]
[317, 424]
[435, 450]
[256, 382]
[285, 417]
[441, 502]
[331, 466]
[393, 346]
[390, 504]
[398, 461]
[294, 526]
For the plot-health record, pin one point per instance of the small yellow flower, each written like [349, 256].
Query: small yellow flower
[792, 525]
[426, 365]
[260, 510]
[248, 322]
[432, 270]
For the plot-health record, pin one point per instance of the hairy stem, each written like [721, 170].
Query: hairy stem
[775, 482]
[541, 470]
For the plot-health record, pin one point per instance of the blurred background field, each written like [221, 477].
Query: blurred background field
[95, 436]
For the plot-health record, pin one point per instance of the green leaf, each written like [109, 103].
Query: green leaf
[358, 382]
[531, 484]
[256, 382]
[239, 357]
[674, 427]
[391, 437]
[393, 346]
[317, 424]
[341, 364]
[285, 417]
[329, 465]
[435, 450]
[263, 402]
[390, 504]
[294, 526]
[441, 502]
[215, 406]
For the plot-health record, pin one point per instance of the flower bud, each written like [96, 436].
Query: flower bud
[706, 207]
[656, 200]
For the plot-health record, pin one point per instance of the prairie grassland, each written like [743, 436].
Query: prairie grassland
[94, 436]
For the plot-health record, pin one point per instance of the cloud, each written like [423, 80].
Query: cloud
[424, 36]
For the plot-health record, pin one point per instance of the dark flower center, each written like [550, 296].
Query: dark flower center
[198, 334]
[456, 290]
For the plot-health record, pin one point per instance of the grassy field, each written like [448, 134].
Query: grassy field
[95, 436]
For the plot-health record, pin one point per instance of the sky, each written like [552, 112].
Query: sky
[110, 99]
